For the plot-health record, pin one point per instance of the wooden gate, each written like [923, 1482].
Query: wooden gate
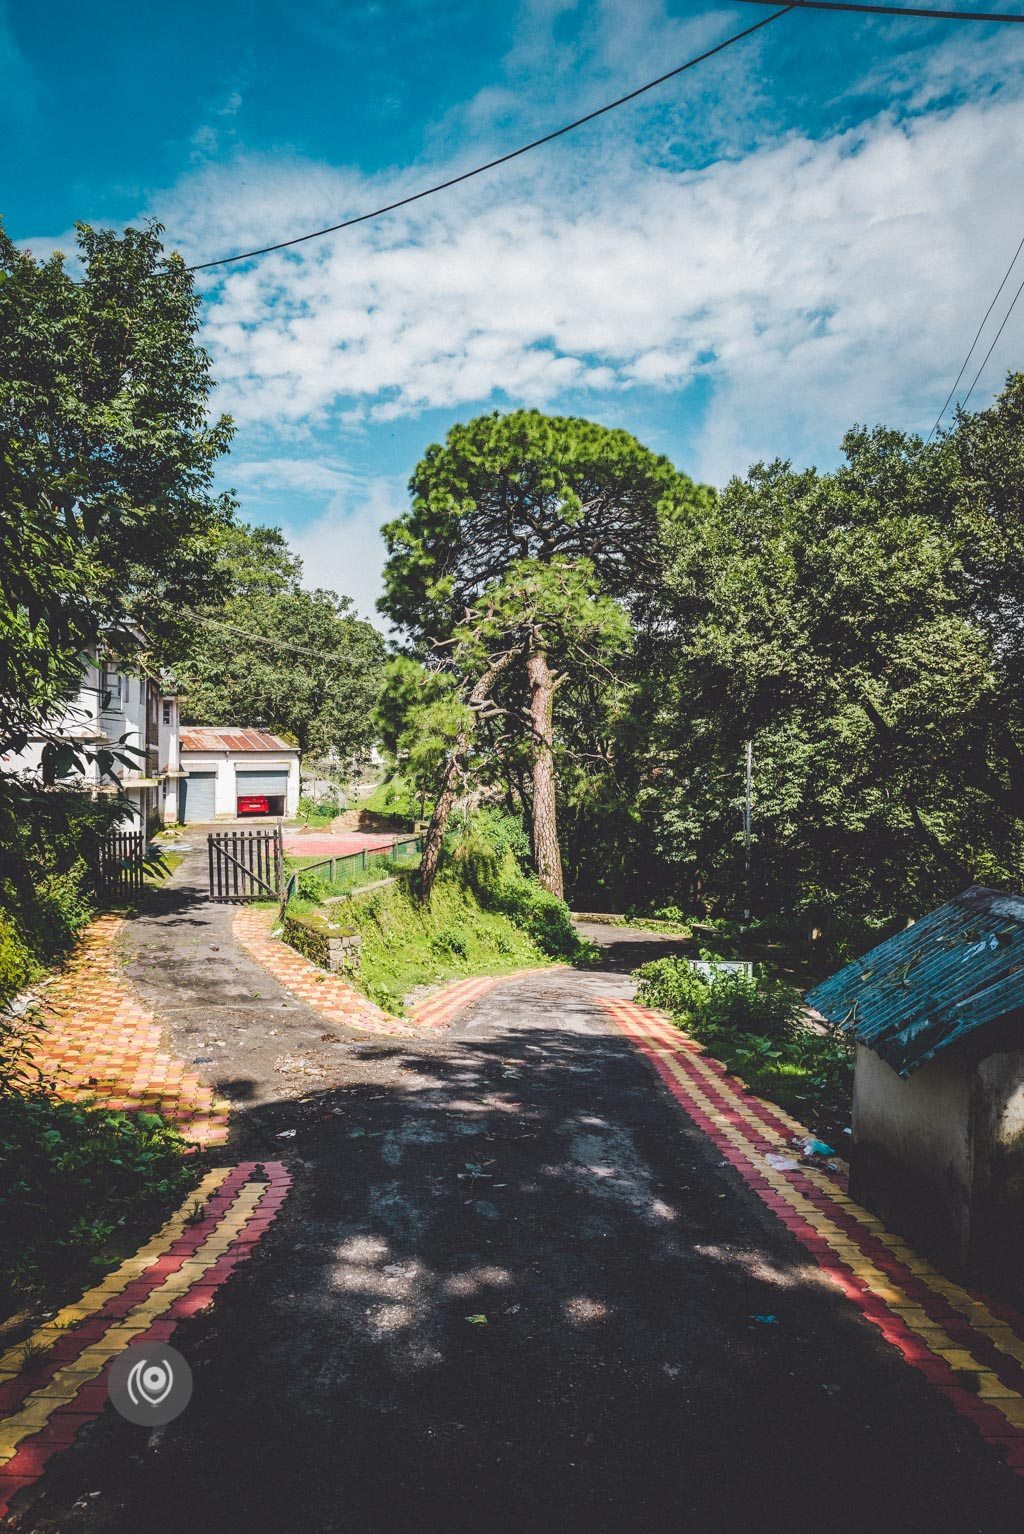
[120, 862]
[246, 865]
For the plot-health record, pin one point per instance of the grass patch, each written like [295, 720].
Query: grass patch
[350, 872]
[486, 915]
[396, 799]
[406, 944]
[757, 1030]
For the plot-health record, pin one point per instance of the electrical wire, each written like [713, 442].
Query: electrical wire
[977, 337]
[513, 154]
[992, 348]
[915, 12]
[275, 644]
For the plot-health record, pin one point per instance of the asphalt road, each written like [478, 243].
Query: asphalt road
[514, 1289]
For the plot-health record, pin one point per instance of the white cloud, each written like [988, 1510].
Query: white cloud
[301, 474]
[809, 284]
[341, 550]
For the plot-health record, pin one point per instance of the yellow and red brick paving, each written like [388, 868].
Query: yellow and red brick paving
[336, 999]
[969, 1347]
[47, 1397]
[101, 1041]
[105, 1043]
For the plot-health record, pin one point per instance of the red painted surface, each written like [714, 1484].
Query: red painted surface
[338, 844]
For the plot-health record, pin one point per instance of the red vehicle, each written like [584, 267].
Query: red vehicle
[253, 804]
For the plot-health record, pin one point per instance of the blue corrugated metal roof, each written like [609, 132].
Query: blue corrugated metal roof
[957, 969]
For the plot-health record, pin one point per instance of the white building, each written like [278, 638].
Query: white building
[235, 772]
[114, 709]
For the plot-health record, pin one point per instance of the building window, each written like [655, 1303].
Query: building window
[110, 687]
[168, 711]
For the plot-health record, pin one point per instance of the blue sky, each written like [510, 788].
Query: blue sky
[800, 234]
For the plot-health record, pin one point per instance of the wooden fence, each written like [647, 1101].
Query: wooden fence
[246, 865]
[120, 863]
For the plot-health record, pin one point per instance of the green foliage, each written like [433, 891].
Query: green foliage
[17, 963]
[861, 628]
[503, 833]
[487, 857]
[394, 799]
[312, 669]
[74, 1181]
[46, 839]
[406, 944]
[723, 1000]
[536, 539]
[485, 916]
[314, 887]
[754, 1027]
[106, 510]
[530, 487]
[419, 716]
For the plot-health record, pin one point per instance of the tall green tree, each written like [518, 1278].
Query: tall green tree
[275, 655]
[107, 455]
[863, 629]
[530, 542]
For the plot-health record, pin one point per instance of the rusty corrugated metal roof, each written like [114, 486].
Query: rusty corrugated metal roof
[958, 969]
[202, 738]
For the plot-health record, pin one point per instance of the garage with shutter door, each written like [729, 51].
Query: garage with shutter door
[261, 791]
[198, 797]
[244, 773]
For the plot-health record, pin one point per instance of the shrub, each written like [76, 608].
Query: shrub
[73, 1177]
[47, 839]
[724, 1001]
[314, 887]
[17, 965]
[486, 859]
[753, 1025]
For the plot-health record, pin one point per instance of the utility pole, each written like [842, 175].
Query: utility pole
[746, 832]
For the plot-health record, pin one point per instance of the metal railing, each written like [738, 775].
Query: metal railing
[386, 855]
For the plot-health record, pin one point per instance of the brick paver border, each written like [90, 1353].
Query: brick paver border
[336, 999]
[50, 1392]
[100, 1040]
[950, 1334]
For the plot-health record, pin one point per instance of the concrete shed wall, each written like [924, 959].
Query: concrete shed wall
[913, 1151]
[997, 1222]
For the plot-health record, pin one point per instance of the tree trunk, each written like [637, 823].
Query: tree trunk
[439, 819]
[450, 777]
[546, 853]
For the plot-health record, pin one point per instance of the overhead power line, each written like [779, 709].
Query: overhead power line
[995, 338]
[275, 644]
[915, 12]
[977, 337]
[503, 159]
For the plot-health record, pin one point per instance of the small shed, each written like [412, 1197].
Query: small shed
[938, 1096]
[233, 773]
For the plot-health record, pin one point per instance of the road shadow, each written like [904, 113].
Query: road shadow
[514, 1289]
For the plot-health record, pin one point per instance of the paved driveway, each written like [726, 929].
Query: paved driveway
[514, 1289]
